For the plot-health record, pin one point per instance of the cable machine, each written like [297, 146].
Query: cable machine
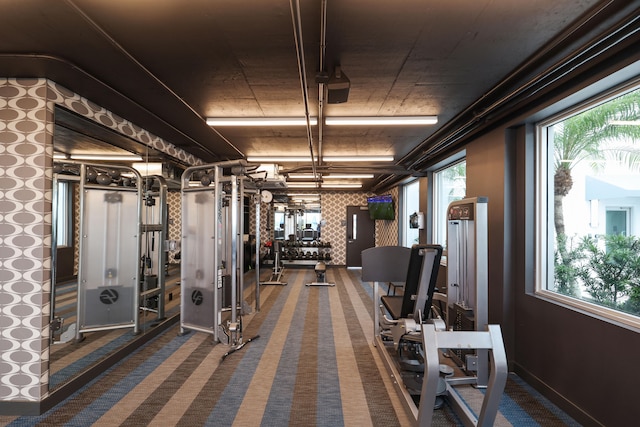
[212, 255]
[467, 278]
[154, 232]
[110, 198]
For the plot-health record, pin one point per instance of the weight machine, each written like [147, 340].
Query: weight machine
[411, 344]
[118, 211]
[109, 247]
[154, 232]
[467, 279]
[277, 272]
[212, 255]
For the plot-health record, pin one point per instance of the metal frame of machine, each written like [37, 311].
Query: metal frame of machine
[212, 206]
[155, 220]
[467, 278]
[467, 294]
[108, 268]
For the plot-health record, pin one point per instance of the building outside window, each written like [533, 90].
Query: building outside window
[588, 203]
[449, 185]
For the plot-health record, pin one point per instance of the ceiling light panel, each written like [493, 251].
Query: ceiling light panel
[302, 185]
[107, 157]
[261, 121]
[357, 158]
[280, 159]
[381, 121]
[349, 176]
[341, 185]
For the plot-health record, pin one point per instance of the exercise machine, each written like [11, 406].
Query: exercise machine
[277, 272]
[467, 279]
[213, 197]
[155, 245]
[110, 199]
[320, 269]
[411, 342]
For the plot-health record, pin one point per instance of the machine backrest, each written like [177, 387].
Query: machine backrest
[430, 256]
[385, 264]
[421, 280]
[416, 267]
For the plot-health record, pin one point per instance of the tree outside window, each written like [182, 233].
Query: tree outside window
[596, 204]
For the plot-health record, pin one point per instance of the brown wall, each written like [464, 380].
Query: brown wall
[584, 364]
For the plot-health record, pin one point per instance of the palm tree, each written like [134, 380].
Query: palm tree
[589, 136]
[593, 136]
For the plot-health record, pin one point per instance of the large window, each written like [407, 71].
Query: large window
[449, 185]
[410, 205]
[588, 202]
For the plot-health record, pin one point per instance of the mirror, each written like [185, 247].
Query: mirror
[156, 271]
[297, 227]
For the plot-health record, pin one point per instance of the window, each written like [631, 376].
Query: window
[410, 205]
[588, 207]
[449, 185]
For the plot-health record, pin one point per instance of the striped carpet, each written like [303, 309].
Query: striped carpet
[312, 365]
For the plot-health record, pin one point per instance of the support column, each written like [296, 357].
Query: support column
[26, 151]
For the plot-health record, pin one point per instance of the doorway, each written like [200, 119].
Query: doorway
[361, 234]
[616, 222]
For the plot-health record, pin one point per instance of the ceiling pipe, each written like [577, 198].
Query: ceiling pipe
[321, 69]
[441, 140]
[297, 32]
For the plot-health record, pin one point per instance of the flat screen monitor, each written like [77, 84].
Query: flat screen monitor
[381, 207]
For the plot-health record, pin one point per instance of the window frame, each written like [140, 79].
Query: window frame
[544, 237]
[437, 212]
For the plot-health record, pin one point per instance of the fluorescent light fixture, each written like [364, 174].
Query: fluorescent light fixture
[381, 121]
[261, 121]
[281, 159]
[331, 176]
[60, 156]
[625, 122]
[357, 158]
[341, 185]
[348, 176]
[116, 157]
[300, 176]
[305, 195]
[302, 200]
[302, 185]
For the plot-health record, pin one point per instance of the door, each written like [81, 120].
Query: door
[361, 234]
[617, 222]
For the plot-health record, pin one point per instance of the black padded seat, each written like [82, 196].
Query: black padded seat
[419, 285]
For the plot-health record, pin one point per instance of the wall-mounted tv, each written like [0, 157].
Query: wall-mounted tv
[381, 207]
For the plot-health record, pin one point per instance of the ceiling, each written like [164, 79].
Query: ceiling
[167, 65]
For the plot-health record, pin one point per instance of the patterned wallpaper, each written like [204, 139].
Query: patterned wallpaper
[334, 212]
[26, 152]
[387, 231]
[82, 106]
[175, 220]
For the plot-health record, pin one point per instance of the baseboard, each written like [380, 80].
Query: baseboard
[556, 398]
